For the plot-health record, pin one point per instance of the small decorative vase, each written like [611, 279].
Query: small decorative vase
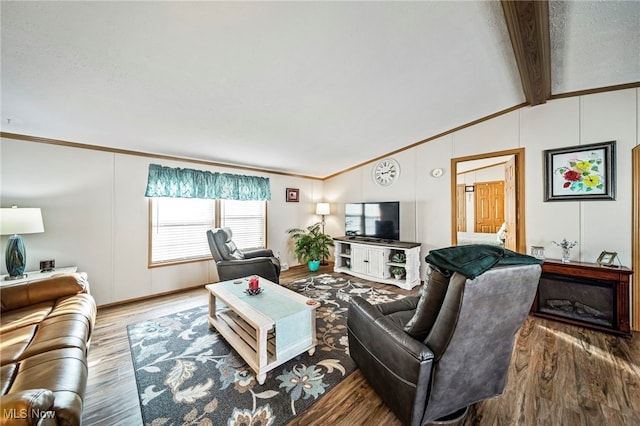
[313, 265]
[566, 255]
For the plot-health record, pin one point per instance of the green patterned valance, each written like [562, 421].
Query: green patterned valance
[189, 183]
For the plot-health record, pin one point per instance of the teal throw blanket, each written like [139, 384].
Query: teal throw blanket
[473, 260]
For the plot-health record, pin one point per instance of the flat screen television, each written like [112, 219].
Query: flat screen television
[373, 220]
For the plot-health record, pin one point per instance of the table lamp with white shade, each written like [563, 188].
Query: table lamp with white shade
[15, 221]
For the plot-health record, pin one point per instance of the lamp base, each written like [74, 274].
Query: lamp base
[16, 277]
[15, 256]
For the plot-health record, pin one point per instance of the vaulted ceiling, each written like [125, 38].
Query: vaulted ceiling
[310, 88]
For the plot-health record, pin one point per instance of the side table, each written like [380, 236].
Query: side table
[36, 275]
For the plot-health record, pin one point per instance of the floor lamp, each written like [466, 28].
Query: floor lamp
[323, 209]
[14, 221]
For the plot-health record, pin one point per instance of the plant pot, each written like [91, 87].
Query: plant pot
[398, 276]
[313, 265]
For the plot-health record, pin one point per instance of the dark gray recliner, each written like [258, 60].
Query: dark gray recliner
[233, 263]
[430, 357]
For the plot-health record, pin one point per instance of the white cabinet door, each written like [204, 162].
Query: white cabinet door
[359, 259]
[377, 264]
[366, 260]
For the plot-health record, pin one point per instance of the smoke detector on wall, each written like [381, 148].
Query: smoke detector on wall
[437, 172]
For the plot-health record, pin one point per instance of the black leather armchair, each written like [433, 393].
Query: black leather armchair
[233, 263]
[430, 357]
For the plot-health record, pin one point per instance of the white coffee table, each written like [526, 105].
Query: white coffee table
[267, 329]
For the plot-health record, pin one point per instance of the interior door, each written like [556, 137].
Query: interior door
[510, 203]
[489, 211]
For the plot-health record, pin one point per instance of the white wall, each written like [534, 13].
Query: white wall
[96, 216]
[596, 225]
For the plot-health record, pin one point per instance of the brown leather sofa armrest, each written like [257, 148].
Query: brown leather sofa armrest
[28, 407]
[37, 291]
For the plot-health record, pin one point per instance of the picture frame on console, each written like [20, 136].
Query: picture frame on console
[580, 173]
[606, 258]
[537, 252]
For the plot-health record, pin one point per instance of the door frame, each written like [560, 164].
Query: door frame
[518, 153]
[635, 239]
[461, 198]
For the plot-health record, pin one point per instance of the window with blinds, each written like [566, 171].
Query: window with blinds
[247, 220]
[179, 226]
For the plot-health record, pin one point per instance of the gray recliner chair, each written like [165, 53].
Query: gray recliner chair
[233, 263]
[431, 356]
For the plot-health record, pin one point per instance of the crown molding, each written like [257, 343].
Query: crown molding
[59, 142]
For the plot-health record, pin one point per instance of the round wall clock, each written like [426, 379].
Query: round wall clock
[386, 172]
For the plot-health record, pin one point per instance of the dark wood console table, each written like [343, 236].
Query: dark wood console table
[561, 283]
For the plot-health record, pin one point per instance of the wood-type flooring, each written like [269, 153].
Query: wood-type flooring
[560, 374]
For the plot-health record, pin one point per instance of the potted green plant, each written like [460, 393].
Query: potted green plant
[310, 245]
[397, 270]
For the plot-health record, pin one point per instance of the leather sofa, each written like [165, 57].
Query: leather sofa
[45, 331]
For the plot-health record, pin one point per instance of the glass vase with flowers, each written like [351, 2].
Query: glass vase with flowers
[566, 247]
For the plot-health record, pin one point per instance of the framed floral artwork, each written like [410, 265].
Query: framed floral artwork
[583, 172]
[293, 195]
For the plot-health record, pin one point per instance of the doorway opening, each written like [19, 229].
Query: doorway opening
[479, 213]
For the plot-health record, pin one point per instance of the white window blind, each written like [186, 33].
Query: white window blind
[247, 220]
[179, 226]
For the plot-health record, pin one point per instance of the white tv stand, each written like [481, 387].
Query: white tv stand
[370, 259]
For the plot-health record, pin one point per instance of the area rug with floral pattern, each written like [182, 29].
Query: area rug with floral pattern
[187, 374]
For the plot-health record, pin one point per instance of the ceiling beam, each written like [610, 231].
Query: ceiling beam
[528, 24]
